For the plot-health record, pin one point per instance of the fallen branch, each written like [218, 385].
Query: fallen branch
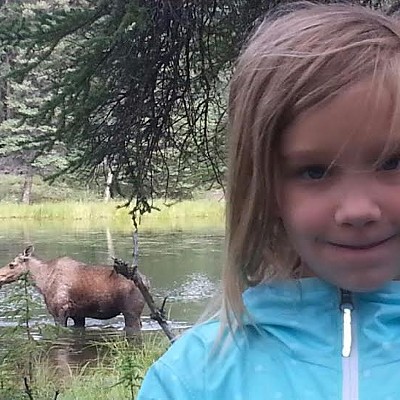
[157, 314]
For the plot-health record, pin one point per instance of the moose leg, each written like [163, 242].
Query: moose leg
[60, 315]
[61, 320]
[132, 324]
[79, 322]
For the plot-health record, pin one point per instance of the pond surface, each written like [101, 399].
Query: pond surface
[185, 266]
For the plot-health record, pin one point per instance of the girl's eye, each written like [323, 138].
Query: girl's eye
[314, 172]
[391, 164]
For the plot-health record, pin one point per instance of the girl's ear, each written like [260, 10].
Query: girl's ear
[28, 251]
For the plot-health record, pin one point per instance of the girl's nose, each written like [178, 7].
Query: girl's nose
[357, 211]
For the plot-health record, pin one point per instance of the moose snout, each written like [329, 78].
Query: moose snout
[4, 280]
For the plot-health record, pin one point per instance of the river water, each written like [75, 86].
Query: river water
[185, 266]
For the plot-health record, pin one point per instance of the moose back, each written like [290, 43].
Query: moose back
[72, 289]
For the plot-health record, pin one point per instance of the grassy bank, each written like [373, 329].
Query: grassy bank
[175, 216]
[117, 375]
[42, 192]
[77, 207]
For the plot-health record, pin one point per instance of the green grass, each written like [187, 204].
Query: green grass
[175, 216]
[117, 375]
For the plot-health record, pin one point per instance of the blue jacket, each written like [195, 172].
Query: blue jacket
[291, 351]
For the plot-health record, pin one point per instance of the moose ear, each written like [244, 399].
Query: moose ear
[28, 251]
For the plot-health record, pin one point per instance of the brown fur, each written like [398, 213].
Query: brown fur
[72, 289]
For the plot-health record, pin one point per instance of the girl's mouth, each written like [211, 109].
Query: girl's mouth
[361, 246]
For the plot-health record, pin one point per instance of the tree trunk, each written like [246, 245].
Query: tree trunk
[107, 190]
[5, 111]
[27, 188]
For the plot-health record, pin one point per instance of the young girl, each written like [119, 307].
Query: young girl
[311, 297]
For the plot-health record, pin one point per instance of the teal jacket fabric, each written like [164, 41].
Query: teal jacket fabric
[290, 349]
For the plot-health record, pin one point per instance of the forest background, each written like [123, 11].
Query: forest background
[116, 98]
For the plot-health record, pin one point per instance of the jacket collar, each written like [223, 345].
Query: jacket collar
[296, 295]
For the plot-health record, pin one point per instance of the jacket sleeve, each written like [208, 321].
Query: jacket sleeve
[161, 383]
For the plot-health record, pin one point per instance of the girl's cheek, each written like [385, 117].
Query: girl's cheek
[301, 213]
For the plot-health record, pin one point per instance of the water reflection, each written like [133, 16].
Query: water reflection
[79, 348]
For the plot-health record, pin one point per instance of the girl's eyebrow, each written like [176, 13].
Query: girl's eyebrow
[370, 152]
[309, 154]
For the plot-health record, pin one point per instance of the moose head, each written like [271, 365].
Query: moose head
[16, 268]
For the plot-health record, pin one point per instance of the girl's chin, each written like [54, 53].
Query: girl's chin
[364, 281]
[363, 284]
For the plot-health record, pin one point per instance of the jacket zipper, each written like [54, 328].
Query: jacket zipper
[346, 306]
[349, 347]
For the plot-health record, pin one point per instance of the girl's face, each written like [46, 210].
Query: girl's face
[339, 206]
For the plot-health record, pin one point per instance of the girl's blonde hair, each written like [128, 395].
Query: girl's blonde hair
[295, 60]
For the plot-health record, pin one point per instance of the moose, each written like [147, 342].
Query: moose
[72, 289]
